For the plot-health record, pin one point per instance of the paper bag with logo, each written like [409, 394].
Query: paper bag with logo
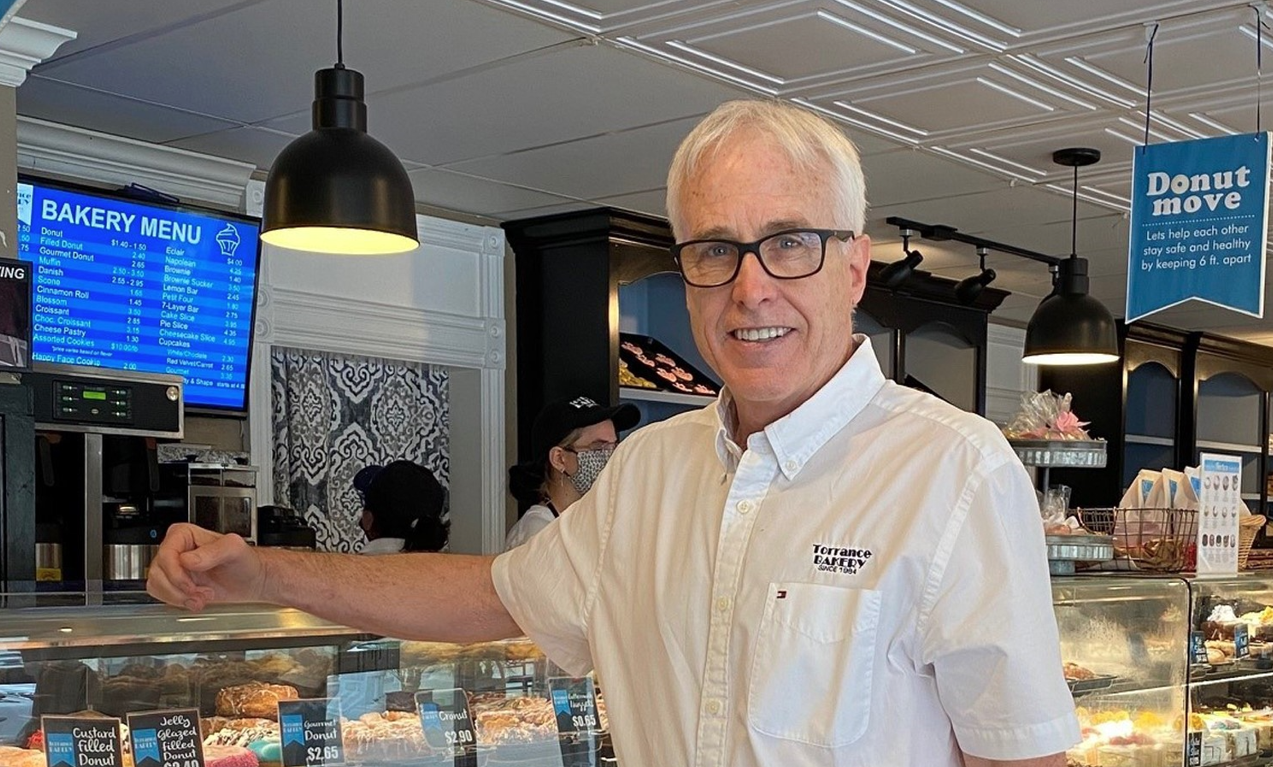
[1144, 518]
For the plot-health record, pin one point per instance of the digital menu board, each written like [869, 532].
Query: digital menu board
[134, 285]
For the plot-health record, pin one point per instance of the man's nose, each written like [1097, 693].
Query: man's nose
[753, 284]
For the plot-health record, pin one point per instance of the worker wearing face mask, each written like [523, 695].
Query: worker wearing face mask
[571, 440]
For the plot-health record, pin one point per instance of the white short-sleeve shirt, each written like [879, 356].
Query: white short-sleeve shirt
[864, 585]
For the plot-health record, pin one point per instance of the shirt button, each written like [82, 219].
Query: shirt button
[713, 706]
[722, 604]
[791, 465]
[745, 507]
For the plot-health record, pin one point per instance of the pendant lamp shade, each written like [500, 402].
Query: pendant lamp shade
[336, 189]
[1070, 327]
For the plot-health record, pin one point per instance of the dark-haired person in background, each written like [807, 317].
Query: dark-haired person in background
[571, 442]
[402, 508]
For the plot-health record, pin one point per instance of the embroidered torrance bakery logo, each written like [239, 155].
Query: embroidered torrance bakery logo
[838, 559]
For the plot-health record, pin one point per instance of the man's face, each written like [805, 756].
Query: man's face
[744, 191]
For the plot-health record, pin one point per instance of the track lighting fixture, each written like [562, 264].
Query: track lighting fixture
[898, 272]
[970, 287]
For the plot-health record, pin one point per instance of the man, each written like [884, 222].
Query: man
[824, 568]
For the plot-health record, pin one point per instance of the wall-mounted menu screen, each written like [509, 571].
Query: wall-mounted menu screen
[137, 285]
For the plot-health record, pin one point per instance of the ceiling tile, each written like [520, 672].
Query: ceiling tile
[910, 174]
[651, 203]
[219, 66]
[447, 189]
[543, 210]
[544, 100]
[254, 145]
[59, 102]
[594, 167]
[1013, 20]
[105, 21]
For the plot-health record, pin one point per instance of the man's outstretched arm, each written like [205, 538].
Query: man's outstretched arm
[440, 597]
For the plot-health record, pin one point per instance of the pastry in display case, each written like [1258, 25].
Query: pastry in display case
[271, 687]
[1123, 642]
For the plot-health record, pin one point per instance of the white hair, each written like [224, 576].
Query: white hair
[809, 141]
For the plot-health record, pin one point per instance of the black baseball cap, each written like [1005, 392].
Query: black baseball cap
[364, 478]
[556, 420]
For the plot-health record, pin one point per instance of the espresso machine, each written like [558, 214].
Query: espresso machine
[96, 473]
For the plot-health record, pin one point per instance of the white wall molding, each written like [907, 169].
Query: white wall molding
[23, 44]
[106, 159]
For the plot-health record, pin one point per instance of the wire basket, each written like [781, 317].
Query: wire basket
[1158, 540]
[1248, 529]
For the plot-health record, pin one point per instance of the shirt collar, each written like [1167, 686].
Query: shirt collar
[795, 437]
[384, 546]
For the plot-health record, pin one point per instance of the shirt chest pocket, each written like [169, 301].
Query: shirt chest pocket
[813, 663]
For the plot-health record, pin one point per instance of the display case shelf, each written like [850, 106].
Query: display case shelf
[1227, 447]
[634, 393]
[1142, 439]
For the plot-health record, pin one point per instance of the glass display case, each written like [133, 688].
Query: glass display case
[237, 670]
[1124, 642]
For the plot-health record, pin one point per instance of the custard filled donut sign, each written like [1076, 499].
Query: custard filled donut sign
[1199, 222]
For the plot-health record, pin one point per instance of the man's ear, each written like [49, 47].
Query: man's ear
[859, 263]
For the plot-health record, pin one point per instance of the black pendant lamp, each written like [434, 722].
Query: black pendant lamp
[336, 189]
[1071, 327]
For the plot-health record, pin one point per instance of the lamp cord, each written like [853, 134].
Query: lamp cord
[1149, 80]
[1074, 217]
[340, 34]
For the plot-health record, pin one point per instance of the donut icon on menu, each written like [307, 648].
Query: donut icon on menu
[228, 240]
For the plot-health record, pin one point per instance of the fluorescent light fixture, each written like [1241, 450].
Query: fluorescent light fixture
[681, 46]
[1020, 96]
[861, 30]
[1038, 85]
[895, 24]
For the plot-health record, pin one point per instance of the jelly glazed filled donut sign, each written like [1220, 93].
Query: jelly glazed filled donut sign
[1199, 225]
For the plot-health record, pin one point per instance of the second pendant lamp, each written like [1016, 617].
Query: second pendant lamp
[1070, 327]
[336, 189]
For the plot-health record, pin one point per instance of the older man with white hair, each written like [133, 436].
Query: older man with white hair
[822, 568]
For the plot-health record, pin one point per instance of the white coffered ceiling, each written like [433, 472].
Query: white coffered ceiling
[514, 108]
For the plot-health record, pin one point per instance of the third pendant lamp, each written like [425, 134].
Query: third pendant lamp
[337, 189]
[1071, 327]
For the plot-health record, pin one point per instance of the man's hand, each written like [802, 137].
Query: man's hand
[1056, 760]
[195, 567]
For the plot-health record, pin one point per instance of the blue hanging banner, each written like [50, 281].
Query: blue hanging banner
[1199, 223]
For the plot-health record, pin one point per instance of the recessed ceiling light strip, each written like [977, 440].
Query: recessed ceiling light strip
[859, 123]
[631, 42]
[948, 26]
[1038, 85]
[981, 17]
[1059, 76]
[685, 47]
[1020, 96]
[861, 30]
[881, 118]
[910, 30]
[980, 164]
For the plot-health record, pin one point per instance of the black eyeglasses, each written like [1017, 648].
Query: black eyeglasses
[786, 255]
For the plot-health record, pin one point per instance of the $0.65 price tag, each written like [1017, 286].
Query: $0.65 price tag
[445, 718]
[310, 731]
[166, 738]
[574, 705]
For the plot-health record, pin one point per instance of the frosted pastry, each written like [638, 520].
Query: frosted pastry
[254, 699]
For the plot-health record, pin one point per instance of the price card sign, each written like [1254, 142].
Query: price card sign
[310, 731]
[1241, 641]
[445, 718]
[166, 738]
[574, 704]
[1197, 647]
[81, 742]
[1219, 508]
[1193, 750]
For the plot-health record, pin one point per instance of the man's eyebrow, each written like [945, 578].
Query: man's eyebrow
[724, 233]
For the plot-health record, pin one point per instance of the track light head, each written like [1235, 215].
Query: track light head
[898, 272]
